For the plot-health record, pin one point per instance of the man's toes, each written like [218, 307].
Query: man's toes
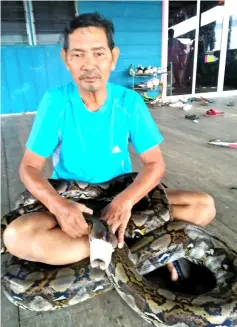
[174, 274]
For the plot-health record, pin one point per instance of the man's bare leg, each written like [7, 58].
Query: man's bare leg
[37, 237]
[196, 208]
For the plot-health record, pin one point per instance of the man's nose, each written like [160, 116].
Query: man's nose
[89, 61]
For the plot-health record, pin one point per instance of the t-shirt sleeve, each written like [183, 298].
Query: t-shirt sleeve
[144, 133]
[43, 137]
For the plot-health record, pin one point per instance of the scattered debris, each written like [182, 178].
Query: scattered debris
[160, 102]
[178, 104]
[201, 99]
[228, 144]
[231, 104]
[211, 100]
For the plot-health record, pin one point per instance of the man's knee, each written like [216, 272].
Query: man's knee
[206, 209]
[19, 241]
[16, 243]
[19, 235]
[11, 237]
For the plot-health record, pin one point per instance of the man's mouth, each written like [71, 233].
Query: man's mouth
[90, 79]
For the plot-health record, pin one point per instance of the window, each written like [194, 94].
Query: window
[14, 28]
[50, 18]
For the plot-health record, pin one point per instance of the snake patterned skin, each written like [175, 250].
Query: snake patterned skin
[155, 241]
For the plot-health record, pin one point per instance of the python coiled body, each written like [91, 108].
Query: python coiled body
[156, 240]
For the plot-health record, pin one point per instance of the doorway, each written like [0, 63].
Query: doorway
[200, 47]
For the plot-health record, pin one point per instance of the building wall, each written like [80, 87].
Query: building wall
[28, 71]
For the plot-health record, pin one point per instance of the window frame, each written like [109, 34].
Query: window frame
[27, 24]
[32, 17]
[30, 25]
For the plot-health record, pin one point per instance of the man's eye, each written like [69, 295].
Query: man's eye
[98, 54]
[77, 55]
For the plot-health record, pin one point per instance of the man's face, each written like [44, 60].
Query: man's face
[89, 58]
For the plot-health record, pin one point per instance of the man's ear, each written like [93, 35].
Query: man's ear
[115, 56]
[64, 57]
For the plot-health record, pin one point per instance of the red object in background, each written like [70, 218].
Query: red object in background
[213, 112]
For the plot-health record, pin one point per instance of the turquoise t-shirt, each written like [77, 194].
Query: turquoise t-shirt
[92, 146]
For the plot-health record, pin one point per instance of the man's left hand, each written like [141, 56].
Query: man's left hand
[117, 215]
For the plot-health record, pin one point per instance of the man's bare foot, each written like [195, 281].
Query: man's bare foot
[173, 271]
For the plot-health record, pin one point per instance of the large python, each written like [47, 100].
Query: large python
[154, 241]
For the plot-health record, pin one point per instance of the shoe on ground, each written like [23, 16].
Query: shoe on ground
[178, 104]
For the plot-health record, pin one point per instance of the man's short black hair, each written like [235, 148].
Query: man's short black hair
[90, 19]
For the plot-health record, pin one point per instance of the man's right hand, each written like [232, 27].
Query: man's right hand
[70, 218]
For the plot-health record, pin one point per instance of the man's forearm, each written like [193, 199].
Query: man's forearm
[146, 180]
[39, 187]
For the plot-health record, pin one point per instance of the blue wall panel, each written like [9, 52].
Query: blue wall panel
[28, 71]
